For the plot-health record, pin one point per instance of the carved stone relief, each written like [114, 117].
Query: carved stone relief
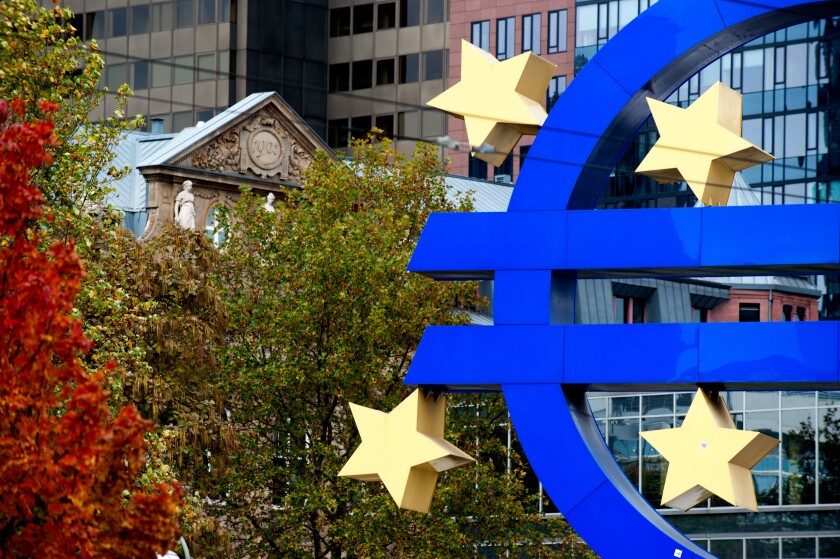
[269, 150]
[222, 154]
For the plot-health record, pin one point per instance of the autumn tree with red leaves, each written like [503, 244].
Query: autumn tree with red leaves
[68, 468]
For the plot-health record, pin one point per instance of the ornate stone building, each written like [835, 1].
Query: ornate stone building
[260, 142]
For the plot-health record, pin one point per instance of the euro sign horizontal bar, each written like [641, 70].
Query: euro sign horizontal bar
[735, 356]
[684, 242]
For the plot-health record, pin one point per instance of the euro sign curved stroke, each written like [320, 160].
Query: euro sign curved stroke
[549, 237]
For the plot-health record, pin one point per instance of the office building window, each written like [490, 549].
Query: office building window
[340, 77]
[505, 33]
[206, 65]
[435, 11]
[225, 68]
[433, 65]
[385, 71]
[699, 315]
[531, 33]
[339, 22]
[161, 73]
[749, 312]
[408, 125]
[183, 70]
[477, 168]
[116, 76]
[203, 115]
[409, 13]
[94, 25]
[162, 16]
[139, 78]
[409, 68]
[433, 123]
[206, 11]
[337, 133]
[118, 22]
[139, 21]
[363, 18]
[386, 124]
[557, 25]
[224, 11]
[184, 13]
[362, 74]
[586, 22]
[360, 126]
[556, 86]
[480, 34]
[182, 120]
[386, 15]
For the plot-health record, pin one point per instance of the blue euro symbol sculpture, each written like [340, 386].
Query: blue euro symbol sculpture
[549, 237]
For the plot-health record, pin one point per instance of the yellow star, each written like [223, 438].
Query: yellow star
[702, 145]
[404, 449]
[708, 455]
[499, 101]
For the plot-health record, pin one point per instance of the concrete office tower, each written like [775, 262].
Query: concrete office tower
[188, 60]
[387, 58]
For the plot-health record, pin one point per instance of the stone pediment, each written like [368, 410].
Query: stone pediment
[260, 142]
[264, 140]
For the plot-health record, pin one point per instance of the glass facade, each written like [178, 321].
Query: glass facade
[786, 82]
[789, 82]
[796, 485]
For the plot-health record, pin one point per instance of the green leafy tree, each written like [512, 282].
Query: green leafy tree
[43, 59]
[150, 310]
[322, 313]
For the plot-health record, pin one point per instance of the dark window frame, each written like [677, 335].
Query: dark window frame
[532, 22]
[505, 42]
[559, 39]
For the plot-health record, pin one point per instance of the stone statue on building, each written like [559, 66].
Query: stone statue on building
[185, 207]
[269, 203]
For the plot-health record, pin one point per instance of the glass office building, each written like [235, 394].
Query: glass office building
[797, 485]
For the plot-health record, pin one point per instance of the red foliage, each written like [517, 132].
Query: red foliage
[67, 467]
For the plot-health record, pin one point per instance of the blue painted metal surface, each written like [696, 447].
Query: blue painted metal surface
[771, 355]
[755, 240]
[473, 245]
[568, 455]
[541, 361]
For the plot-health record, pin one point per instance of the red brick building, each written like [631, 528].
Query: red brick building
[506, 28]
[768, 299]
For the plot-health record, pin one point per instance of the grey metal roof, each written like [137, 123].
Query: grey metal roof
[789, 284]
[487, 196]
[189, 137]
[130, 192]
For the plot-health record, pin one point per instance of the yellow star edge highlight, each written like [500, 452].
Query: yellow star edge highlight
[404, 449]
[498, 101]
[708, 456]
[702, 145]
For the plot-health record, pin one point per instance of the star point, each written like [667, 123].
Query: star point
[404, 449]
[708, 456]
[701, 145]
[498, 101]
